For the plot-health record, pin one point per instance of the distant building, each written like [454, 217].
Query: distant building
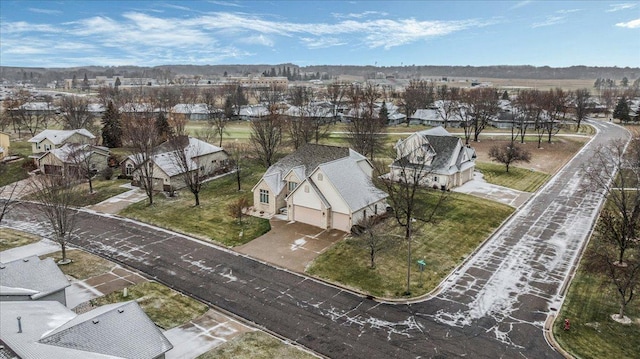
[260, 82]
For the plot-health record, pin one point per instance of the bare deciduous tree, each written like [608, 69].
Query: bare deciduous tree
[57, 196]
[185, 156]
[141, 133]
[405, 185]
[75, 112]
[509, 153]
[366, 130]
[8, 193]
[373, 236]
[582, 105]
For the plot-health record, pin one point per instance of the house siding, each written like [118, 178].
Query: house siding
[268, 208]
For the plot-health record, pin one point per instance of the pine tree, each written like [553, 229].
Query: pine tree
[74, 82]
[85, 83]
[117, 83]
[622, 110]
[384, 113]
[111, 127]
[163, 127]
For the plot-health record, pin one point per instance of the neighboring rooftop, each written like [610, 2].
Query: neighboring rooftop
[50, 330]
[31, 276]
[59, 136]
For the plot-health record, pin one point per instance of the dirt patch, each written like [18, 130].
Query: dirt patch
[548, 159]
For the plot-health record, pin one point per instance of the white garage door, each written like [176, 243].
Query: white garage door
[309, 216]
[341, 221]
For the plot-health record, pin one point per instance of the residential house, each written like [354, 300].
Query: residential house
[48, 329]
[443, 160]
[71, 158]
[5, 144]
[168, 167]
[325, 186]
[250, 113]
[32, 279]
[195, 111]
[52, 139]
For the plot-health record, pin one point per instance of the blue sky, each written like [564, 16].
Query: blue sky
[383, 33]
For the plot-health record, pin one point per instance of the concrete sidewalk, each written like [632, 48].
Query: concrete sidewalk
[480, 188]
[117, 203]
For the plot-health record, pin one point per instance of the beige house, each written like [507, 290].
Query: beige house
[5, 144]
[325, 186]
[167, 167]
[71, 159]
[435, 158]
[52, 139]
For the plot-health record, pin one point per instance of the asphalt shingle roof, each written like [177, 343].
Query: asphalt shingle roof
[31, 276]
[59, 136]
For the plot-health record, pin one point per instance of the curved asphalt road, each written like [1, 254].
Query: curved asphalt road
[494, 306]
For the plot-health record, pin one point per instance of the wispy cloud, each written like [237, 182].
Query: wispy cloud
[224, 3]
[620, 7]
[549, 21]
[176, 7]
[520, 4]
[568, 11]
[211, 37]
[359, 15]
[45, 11]
[633, 24]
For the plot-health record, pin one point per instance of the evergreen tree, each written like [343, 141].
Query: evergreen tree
[74, 82]
[384, 113]
[117, 83]
[622, 110]
[505, 95]
[85, 83]
[228, 107]
[624, 82]
[111, 127]
[289, 73]
[225, 74]
[163, 127]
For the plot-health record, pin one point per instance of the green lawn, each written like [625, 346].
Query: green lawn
[517, 178]
[209, 220]
[102, 190]
[256, 345]
[468, 222]
[166, 307]
[589, 304]
[10, 238]
[83, 265]
[13, 171]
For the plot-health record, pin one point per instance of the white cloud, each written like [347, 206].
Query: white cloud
[620, 7]
[224, 3]
[322, 42]
[45, 11]
[258, 40]
[633, 24]
[520, 4]
[549, 21]
[569, 11]
[358, 15]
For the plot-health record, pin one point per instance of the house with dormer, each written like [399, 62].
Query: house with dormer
[441, 160]
[51, 139]
[324, 186]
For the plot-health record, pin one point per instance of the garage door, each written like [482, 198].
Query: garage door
[341, 221]
[309, 216]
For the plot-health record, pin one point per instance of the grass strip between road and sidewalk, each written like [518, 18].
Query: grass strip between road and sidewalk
[256, 345]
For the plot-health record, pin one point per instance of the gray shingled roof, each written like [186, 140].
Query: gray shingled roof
[305, 159]
[353, 185]
[443, 144]
[120, 329]
[31, 276]
[59, 136]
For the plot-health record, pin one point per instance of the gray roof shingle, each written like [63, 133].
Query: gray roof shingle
[31, 276]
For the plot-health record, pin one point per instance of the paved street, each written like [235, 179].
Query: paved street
[492, 307]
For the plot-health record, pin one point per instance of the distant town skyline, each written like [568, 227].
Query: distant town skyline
[379, 33]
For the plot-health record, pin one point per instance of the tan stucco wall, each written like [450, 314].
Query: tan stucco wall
[268, 208]
[5, 143]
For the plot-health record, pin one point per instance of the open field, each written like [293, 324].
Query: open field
[467, 222]
[256, 345]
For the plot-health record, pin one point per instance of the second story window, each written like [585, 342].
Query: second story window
[292, 186]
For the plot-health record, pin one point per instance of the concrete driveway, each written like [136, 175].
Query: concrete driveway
[291, 245]
[480, 188]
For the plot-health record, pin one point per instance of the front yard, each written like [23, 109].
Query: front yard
[468, 222]
[517, 178]
[210, 220]
[256, 345]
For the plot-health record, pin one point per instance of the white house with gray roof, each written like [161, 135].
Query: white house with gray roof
[443, 161]
[51, 139]
[325, 186]
[47, 329]
[203, 159]
[32, 279]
